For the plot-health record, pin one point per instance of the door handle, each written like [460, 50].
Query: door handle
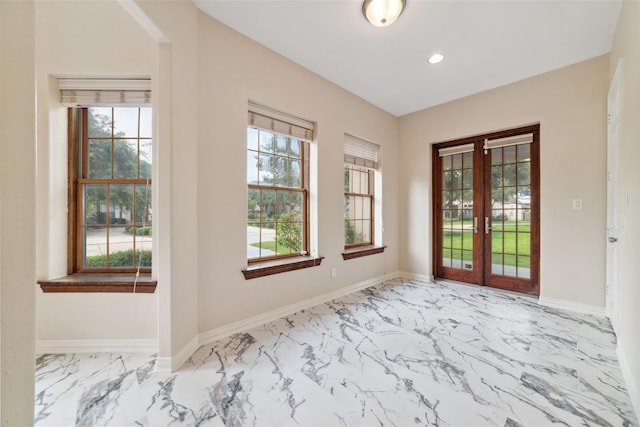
[613, 239]
[487, 227]
[475, 224]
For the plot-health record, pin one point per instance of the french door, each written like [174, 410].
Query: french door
[486, 210]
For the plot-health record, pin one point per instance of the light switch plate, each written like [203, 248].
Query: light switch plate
[577, 203]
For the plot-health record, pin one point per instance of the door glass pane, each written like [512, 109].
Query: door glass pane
[509, 155]
[456, 161]
[467, 160]
[496, 241]
[509, 174]
[523, 172]
[457, 211]
[496, 174]
[496, 263]
[447, 200]
[456, 182]
[524, 244]
[496, 156]
[467, 260]
[510, 211]
[467, 179]
[467, 239]
[446, 180]
[524, 270]
[456, 238]
[524, 153]
[509, 265]
[456, 258]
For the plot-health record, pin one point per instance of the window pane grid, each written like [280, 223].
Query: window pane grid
[114, 190]
[457, 210]
[358, 206]
[116, 225]
[510, 199]
[277, 198]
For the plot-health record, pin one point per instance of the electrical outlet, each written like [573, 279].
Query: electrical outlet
[333, 273]
[577, 203]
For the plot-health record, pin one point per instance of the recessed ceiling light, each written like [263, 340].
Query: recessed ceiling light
[435, 58]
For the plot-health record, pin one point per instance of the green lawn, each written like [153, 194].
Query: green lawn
[271, 245]
[509, 239]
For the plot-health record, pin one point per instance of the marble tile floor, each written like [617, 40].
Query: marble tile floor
[402, 353]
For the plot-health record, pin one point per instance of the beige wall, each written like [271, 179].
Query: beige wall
[232, 70]
[17, 215]
[177, 225]
[570, 105]
[627, 46]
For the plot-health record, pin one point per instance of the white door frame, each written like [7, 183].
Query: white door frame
[615, 200]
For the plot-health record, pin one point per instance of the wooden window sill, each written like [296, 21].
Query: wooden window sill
[361, 251]
[261, 269]
[87, 282]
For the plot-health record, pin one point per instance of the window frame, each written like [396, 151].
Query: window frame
[370, 195]
[78, 169]
[303, 190]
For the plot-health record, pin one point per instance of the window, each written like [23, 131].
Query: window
[361, 161]
[277, 179]
[109, 192]
[111, 158]
[358, 206]
[278, 163]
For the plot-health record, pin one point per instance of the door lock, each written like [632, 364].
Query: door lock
[487, 227]
[613, 239]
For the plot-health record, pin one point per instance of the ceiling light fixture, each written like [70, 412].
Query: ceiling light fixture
[436, 58]
[382, 13]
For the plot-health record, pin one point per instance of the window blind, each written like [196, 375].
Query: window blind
[105, 92]
[360, 152]
[526, 138]
[458, 149]
[276, 121]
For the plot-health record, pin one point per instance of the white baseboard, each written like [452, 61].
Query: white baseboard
[173, 363]
[243, 325]
[97, 346]
[578, 307]
[633, 388]
[408, 275]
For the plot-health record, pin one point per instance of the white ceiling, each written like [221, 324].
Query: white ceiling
[486, 43]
